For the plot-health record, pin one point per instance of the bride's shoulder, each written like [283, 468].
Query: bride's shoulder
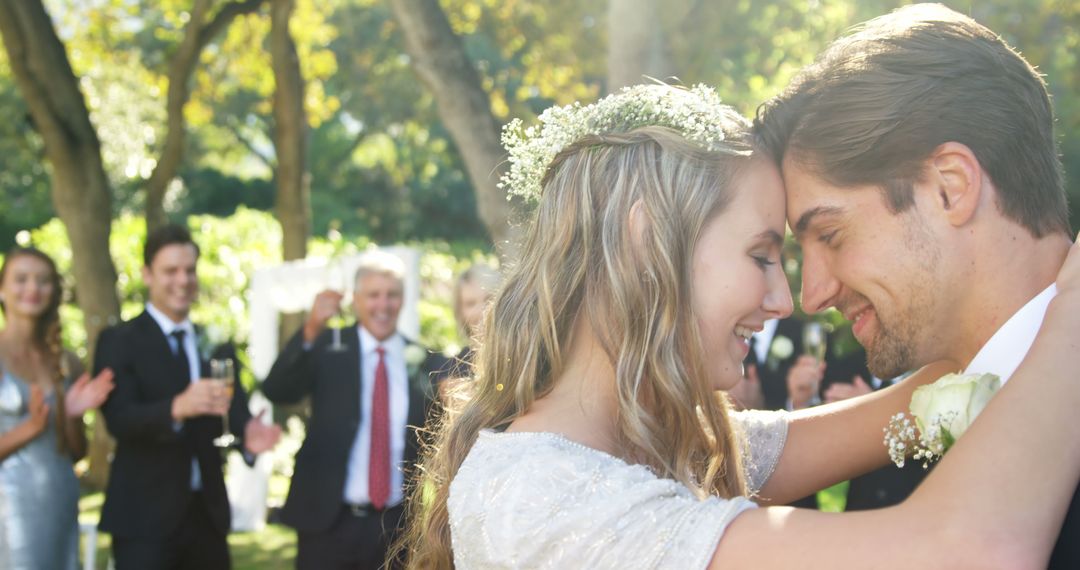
[540, 500]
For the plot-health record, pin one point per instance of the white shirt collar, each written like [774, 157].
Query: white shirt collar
[395, 344]
[1002, 354]
[168, 325]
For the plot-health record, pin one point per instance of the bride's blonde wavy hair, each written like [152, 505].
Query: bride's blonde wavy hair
[580, 261]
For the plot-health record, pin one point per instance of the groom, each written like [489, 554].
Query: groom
[925, 188]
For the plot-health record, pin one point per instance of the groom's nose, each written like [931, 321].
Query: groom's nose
[819, 286]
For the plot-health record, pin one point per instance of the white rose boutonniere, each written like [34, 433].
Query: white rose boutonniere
[781, 349]
[415, 355]
[943, 411]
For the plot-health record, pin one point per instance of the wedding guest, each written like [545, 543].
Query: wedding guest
[368, 394]
[473, 290]
[165, 503]
[43, 397]
[595, 436]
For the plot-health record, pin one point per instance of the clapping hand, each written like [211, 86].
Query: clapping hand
[839, 391]
[87, 394]
[259, 437]
[803, 380]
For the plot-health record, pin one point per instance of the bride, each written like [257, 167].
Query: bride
[595, 433]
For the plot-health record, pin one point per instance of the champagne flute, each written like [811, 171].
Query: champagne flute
[814, 345]
[222, 369]
[336, 281]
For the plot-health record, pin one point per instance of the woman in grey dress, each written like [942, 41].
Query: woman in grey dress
[41, 411]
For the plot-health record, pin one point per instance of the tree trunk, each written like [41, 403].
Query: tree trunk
[80, 188]
[290, 135]
[197, 35]
[637, 43]
[439, 59]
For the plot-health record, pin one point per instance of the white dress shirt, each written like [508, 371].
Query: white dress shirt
[1004, 351]
[763, 340]
[191, 349]
[356, 480]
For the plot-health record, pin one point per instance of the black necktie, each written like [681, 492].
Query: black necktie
[182, 363]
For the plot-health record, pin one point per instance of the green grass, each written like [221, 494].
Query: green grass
[272, 548]
[833, 499]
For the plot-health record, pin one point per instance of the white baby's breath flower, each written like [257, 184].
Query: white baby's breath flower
[697, 113]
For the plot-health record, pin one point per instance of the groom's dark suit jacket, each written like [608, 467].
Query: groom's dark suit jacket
[1066, 553]
[149, 488]
[332, 380]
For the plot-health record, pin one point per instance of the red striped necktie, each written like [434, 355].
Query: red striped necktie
[379, 464]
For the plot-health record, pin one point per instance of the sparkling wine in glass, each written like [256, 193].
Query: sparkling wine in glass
[222, 369]
[814, 340]
[336, 280]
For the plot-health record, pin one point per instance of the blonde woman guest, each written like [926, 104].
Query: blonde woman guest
[41, 418]
[593, 434]
[473, 291]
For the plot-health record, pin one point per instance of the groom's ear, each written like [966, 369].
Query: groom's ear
[955, 177]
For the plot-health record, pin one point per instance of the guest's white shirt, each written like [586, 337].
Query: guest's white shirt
[763, 339]
[1002, 354]
[191, 349]
[168, 326]
[356, 481]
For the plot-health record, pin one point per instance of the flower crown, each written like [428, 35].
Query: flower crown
[697, 113]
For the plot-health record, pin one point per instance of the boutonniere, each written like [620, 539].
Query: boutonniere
[781, 349]
[415, 356]
[943, 411]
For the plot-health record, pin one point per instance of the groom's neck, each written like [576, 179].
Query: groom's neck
[1008, 269]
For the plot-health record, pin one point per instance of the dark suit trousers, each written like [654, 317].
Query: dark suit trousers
[356, 541]
[196, 544]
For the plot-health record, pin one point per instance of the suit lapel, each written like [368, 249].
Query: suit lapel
[351, 372]
[158, 351]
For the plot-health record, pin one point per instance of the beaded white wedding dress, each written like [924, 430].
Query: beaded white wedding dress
[540, 501]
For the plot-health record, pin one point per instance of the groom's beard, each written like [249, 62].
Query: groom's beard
[906, 337]
[891, 353]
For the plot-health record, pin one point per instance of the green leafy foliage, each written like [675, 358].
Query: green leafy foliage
[232, 249]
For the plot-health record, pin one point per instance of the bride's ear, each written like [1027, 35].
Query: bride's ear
[638, 223]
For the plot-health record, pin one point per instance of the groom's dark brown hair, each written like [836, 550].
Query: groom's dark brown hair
[877, 103]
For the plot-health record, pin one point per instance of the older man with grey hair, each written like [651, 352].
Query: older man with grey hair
[368, 393]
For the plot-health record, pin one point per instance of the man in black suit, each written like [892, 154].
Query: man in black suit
[345, 499]
[925, 186]
[165, 504]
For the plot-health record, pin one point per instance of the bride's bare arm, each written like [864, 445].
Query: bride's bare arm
[980, 507]
[835, 442]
